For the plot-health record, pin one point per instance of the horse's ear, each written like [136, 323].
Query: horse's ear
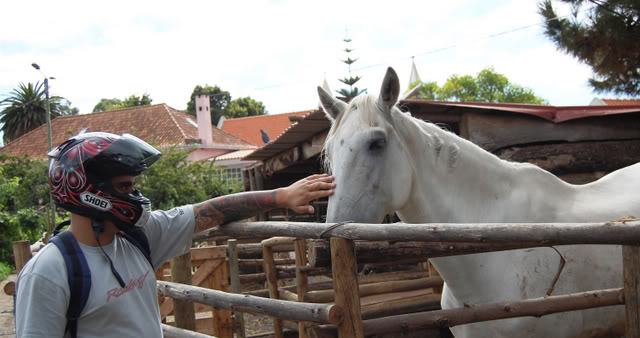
[390, 89]
[332, 106]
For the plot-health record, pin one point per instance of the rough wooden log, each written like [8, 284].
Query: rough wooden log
[631, 272]
[21, 254]
[385, 252]
[326, 296]
[261, 277]
[234, 276]
[345, 284]
[183, 311]
[175, 332]
[421, 303]
[566, 158]
[250, 263]
[302, 282]
[317, 313]
[536, 307]
[275, 241]
[9, 288]
[373, 278]
[541, 234]
[272, 285]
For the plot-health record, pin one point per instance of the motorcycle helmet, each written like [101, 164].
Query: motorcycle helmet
[80, 172]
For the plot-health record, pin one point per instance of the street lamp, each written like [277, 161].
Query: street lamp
[52, 220]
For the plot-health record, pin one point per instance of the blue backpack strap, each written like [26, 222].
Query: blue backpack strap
[140, 240]
[79, 277]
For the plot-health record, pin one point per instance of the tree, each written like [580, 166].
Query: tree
[175, 181]
[488, 86]
[608, 40]
[244, 106]
[130, 101]
[346, 94]
[26, 109]
[24, 194]
[106, 105]
[218, 101]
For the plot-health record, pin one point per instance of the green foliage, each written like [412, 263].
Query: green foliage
[130, 101]
[607, 40]
[243, 107]
[23, 189]
[5, 271]
[221, 104]
[347, 94]
[174, 181]
[26, 109]
[488, 86]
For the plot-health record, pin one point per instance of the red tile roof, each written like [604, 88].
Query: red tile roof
[248, 128]
[158, 124]
[619, 102]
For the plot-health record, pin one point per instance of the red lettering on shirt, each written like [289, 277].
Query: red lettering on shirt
[133, 283]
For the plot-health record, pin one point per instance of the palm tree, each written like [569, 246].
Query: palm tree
[26, 109]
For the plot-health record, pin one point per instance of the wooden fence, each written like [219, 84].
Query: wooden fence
[462, 237]
[344, 317]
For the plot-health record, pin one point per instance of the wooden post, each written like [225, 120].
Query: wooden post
[272, 285]
[631, 271]
[22, 254]
[234, 272]
[222, 323]
[302, 284]
[345, 284]
[183, 311]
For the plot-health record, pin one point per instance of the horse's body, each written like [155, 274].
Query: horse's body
[386, 161]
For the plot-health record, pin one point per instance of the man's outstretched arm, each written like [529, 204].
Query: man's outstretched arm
[235, 207]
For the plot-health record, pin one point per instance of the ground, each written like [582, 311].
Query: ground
[7, 323]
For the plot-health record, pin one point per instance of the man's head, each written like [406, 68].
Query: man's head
[93, 175]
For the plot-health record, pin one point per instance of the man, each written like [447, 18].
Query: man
[93, 176]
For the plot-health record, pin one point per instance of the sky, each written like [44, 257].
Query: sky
[275, 52]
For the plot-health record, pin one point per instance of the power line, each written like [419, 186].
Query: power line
[441, 49]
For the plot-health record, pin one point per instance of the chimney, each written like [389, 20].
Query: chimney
[203, 114]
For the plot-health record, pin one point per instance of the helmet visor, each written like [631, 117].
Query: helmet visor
[128, 155]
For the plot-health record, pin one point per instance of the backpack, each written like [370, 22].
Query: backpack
[79, 275]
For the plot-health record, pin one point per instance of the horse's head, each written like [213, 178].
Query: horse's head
[366, 155]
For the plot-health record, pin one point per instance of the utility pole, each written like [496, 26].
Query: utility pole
[52, 215]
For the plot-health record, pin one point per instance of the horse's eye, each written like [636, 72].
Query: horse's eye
[377, 144]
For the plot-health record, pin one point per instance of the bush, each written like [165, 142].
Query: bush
[5, 270]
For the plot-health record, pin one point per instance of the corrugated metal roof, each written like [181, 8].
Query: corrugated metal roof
[312, 124]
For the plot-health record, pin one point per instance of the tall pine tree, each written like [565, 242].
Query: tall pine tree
[346, 94]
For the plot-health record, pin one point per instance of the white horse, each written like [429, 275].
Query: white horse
[386, 161]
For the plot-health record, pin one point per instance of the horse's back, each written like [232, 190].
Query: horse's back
[611, 197]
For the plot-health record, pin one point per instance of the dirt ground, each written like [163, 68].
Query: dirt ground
[7, 324]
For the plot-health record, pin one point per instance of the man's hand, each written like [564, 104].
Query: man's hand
[298, 195]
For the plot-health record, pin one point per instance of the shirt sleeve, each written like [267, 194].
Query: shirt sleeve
[41, 307]
[170, 233]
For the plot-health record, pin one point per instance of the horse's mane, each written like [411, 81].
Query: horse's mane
[438, 137]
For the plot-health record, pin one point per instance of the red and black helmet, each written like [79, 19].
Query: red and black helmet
[80, 172]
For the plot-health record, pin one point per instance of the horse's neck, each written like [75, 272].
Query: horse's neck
[458, 182]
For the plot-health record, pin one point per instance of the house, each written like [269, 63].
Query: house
[261, 129]
[614, 102]
[157, 124]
